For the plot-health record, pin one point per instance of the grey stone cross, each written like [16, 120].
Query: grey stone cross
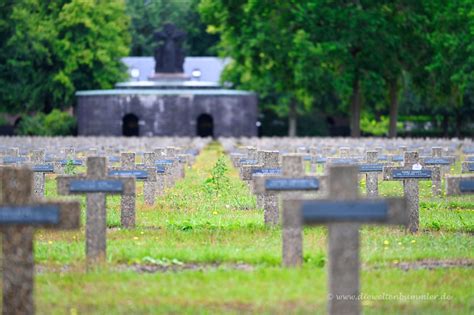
[467, 167]
[127, 203]
[459, 185]
[39, 168]
[438, 160]
[268, 165]
[292, 184]
[372, 168]
[343, 212]
[20, 216]
[410, 173]
[95, 185]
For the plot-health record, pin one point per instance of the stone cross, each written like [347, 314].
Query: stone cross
[95, 185]
[372, 168]
[410, 173]
[39, 168]
[267, 201]
[292, 184]
[162, 180]
[127, 203]
[343, 212]
[459, 185]
[438, 161]
[169, 57]
[20, 216]
[467, 167]
[149, 186]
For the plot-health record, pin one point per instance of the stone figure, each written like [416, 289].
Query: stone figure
[169, 56]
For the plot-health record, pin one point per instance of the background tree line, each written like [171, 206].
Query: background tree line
[361, 58]
[367, 61]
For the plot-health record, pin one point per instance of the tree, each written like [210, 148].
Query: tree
[53, 48]
[451, 68]
[271, 52]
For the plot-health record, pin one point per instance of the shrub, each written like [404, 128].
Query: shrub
[56, 123]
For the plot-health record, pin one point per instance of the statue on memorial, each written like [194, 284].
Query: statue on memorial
[169, 56]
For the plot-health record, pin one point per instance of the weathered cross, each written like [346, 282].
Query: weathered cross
[343, 212]
[127, 203]
[20, 216]
[268, 165]
[372, 168]
[439, 161]
[467, 167]
[95, 185]
[291, 184]
[39, 168]
[410, 173]
[459, 185]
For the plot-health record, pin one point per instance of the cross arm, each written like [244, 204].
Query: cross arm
[246, 171]
[127, 185]
[264, 183]
[390, 211]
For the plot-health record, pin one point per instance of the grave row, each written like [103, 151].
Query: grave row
[329, 198]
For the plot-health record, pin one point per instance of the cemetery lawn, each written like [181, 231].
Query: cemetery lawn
[203, 248]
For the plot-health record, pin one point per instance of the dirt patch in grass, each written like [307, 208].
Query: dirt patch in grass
[152, 268]
[148, 267]
[433, 264]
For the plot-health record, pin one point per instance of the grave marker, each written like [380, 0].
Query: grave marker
[459, 185]
[410, 174]
[20, 216]
[95, 185]
[343, 212]
[291, 184]
[372, 168]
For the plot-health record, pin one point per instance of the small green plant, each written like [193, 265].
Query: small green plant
[70, 168]
[219, 182]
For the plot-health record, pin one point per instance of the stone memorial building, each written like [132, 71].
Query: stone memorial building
[169, 103]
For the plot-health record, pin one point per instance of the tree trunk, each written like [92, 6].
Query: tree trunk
[458, 124]
[292, 115]
[393, 93]
[445, 125]
[355, 106]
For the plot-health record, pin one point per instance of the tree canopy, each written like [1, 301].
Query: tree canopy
[299, 53]
[50, 49]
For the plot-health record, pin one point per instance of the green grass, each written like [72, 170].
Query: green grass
[193, 224]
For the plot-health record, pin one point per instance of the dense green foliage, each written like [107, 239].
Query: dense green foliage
[50, 49]
[56, 123]
[347, 57]
[147, 17]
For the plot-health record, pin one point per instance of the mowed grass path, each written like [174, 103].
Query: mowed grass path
[238, 258]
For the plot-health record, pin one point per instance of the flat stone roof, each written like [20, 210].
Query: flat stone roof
[168, 84]
[162, 92]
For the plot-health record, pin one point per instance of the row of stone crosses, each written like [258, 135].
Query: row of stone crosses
[280, 177]
[277, 175]
[24, 208]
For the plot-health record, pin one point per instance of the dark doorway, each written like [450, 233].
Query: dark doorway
[130, 126]
[205, 126]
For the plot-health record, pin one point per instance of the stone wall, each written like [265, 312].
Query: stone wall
[166, 113]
